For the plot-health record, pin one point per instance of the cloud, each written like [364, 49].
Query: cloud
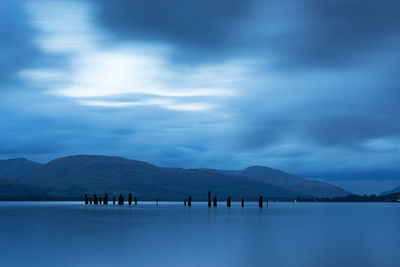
[126, 70]
[308, 86]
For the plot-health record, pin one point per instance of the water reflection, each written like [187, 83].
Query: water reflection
[285, 234]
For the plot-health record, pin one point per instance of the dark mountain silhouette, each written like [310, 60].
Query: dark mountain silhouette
[361, 182]
[393, 197]
[71, 177]
[393, 191]
[13, 169]
[290, 182]
[11, 190]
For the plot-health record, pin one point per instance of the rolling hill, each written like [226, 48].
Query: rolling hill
[71, 177]
[290, 182]
[13, 169]
[393, 191]
[11, 190]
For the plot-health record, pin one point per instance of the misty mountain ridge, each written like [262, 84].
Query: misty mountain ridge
[18, 167]
[290, 181]
[71, 177]
[392, 191]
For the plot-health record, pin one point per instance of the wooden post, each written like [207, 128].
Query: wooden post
[209, 199]
[100, 200]
[260, 202]
[228, 202]
[135, 201]
[121, 200]
[215, 201]
[242, 202]
[189, 201]
[113, 200]
[86, 199]
[130, 199]
[106, 199]
[95, 200]
[184, 202]
[90, 201]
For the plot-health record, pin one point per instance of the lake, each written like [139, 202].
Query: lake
[284, 234]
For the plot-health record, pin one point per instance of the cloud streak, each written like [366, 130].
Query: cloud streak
[97, 70]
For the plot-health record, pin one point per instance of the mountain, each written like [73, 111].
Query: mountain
[290, 182]
[11, 190]
[71, 177]
[360, 182]
[393, 191]
[13, 169]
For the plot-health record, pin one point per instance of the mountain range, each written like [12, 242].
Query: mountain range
[393, 191]
[72, 177]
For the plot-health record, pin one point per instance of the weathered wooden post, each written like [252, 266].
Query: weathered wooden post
[95, 200]
[86, 199]
[184, 202]
[130, 199]
[113, 200]
[215, 201]
[106, 199]
[209, 199]
[90, 201]
[100, 200]
[228, 202]
[242, 202]
[189, 201]
[135, 201]
[121, 200]
[260, 202]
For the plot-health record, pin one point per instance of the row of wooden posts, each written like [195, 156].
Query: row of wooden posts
[95, 200]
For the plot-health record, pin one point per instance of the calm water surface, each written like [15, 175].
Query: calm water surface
[285, 234]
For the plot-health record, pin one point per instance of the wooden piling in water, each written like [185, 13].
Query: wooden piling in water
[135, 201]
[130, 199]
[184, 202]
[106, 199]
[90, 201]
[121, 200]
[113, 200]
[100, 200]
[95, 200]
[215, 201]
[260, 202]
[242, 202]
[189, 201]
[228, 202]
[86, 199]
[209, 199]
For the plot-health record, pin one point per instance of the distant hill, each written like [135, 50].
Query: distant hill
[290, 182]
[11, 190]
[393, 197]
[13, 169]
[360, 182]
[393, 191]
[74, 176]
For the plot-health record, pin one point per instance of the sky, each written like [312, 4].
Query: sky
[304, 86]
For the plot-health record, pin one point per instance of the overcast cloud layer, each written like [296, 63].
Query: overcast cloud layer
[304, 86]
